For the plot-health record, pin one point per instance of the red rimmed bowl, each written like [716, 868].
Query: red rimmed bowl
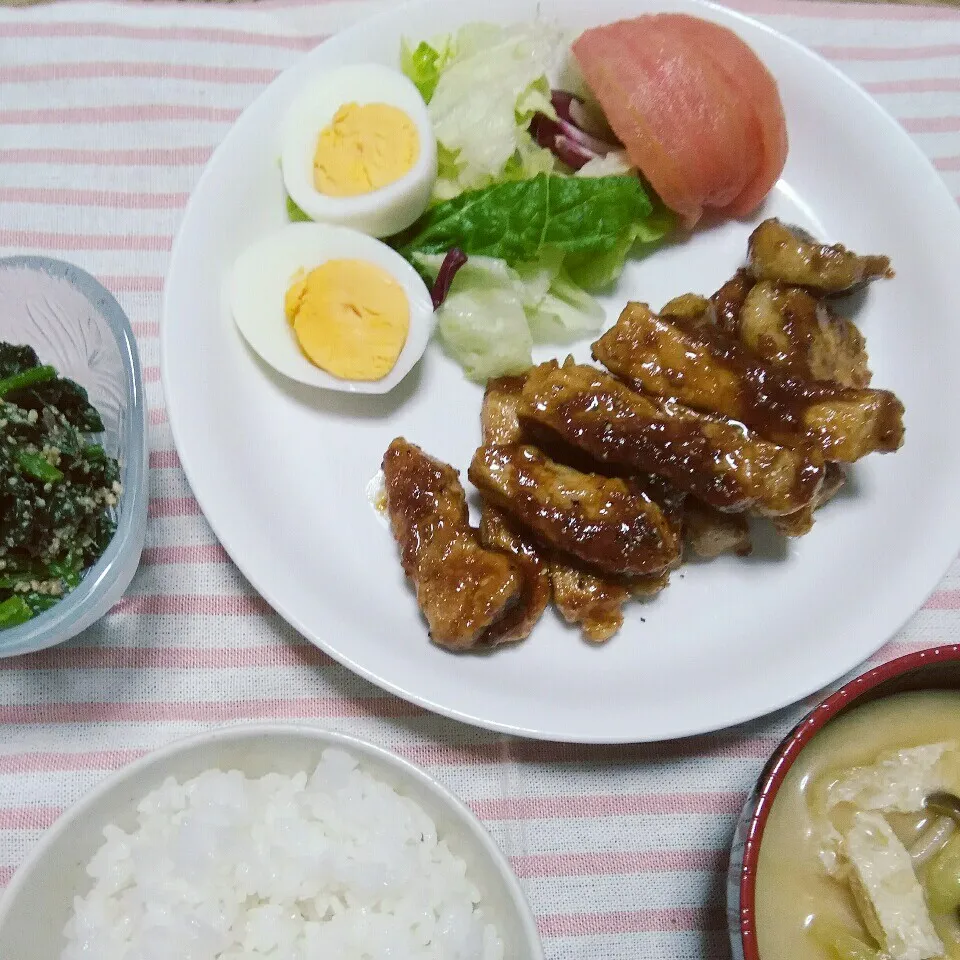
[934, 669]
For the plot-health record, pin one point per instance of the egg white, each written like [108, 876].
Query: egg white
[381, 212]
[263, 273]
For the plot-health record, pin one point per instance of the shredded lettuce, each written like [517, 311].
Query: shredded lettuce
[482, 323]
[494, 313]
[483, 85]
[423, 63]
[447, 185]
[294, 213]
[566, 312]
[534, 248]
[613, 164]
[536, 240]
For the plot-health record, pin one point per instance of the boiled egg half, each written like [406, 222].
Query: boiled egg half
[331, 307]
[358, 150]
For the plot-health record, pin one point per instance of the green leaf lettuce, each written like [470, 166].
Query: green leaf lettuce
[520, 221]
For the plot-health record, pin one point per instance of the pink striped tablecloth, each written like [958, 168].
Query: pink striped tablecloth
[108, 112]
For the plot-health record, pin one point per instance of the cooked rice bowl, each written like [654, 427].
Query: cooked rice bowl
[336, 864]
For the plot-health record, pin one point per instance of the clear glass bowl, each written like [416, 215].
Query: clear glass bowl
[76, 325]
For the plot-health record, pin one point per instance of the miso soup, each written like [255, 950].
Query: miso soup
[853, 865]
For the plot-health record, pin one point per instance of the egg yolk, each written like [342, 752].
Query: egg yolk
[363, 149]
[350, 317]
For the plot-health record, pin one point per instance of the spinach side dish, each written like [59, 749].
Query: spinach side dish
[58, 487]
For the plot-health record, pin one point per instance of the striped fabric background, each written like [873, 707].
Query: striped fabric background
[108, 112]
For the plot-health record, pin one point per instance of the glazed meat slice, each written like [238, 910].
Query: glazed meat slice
[659, 489]
[594, 601]
[599, 520]
[778, 252]
[790, 328]
[500, 424]
[800, 523]
[707, 531]
[500, 413]
[463, 589]
[586, 598]
[728, 301]
[787, 326]
[646, 587]
[721, 463]
[710, 532]
[498, 532]
[689, 305]
[708, 370]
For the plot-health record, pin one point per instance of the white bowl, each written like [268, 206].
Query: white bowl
[39, 900]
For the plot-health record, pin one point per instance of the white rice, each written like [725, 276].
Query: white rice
[334, 866]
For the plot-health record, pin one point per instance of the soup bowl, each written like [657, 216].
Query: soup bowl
[934, 669]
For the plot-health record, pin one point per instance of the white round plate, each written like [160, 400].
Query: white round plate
[280, 469]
